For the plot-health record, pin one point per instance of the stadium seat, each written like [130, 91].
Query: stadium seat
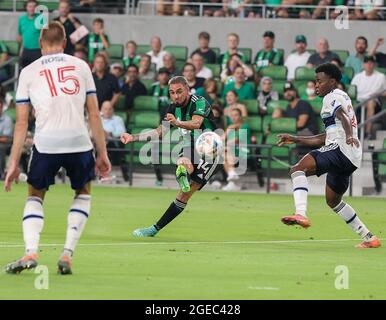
[381, 70]
[349, 72]
[146, 103]
[11, 112]
[115, 52]
[179, 52]
[146, 120]
[216, 69]
[123, 115]
[342, 54]
[275, 72]
[382, 157]
[287, 125]
[251, 105]
[148, 83]
[272, 105]
[352, 91]
[247, 52]
[121, 103]
[316, 105]
[281, 155]
[180, 64]
[254, 123]
[143, 48]
[304, 73]
[13, 47]
[51, 5]
[266, 123]
[278, 85]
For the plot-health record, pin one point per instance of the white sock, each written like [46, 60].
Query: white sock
[77, 219]
[300, 189]
[347, 213]
[33, 222]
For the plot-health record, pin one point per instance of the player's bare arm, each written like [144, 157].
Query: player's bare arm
[19, 136]
[193, 124]
[316, 140]
[346, 123]
[152, 134]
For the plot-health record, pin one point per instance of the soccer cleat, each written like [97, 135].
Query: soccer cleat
[375, 243]
[64, 265]
[145, 232]
[182, 178]
[25, 263]
[296, 219]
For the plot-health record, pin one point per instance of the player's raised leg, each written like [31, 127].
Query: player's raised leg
[184, 169]
[33, 222]
[348, 214]
[175, 208]
[299, 173]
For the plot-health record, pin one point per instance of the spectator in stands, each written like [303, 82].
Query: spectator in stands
[235, 8]
[298, 58]
[113, 127]
[345, 78]
[300, 110]
[310, 94]
[170, 64]
[234, 61]
[266, 94]
[70, 24]
[370, 83]
[28, 36]
[160, 89]
[116, 69]
[355, 60]
[6, 130]
[320, 10]
[209, 91]
[203, 48]
[282, 12]
[380, 57]
[163, 9]
[237, 137]
[156, 53]
[5, 71]
[233, 41]
[218, 115]
[97, 40]
[131, 55]
[133, 87]
[232, 102]
[107, 85]
[189, 72]
[201, 70]
[268, 56]
[245, 90]
[146, 68]
[322, 54]
[80, 52]
[83, 5]
[368, 10]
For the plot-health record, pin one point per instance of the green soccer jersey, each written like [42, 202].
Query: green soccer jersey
[94, 44]
[264, 58]
[197, 105]
[128, 61]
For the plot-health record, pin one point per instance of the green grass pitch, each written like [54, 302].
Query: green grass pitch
[223, 246]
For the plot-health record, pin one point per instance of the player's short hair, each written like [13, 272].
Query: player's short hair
[204, 35]
[53, 33]
[179, 80]
[330, 70]
[98, 20]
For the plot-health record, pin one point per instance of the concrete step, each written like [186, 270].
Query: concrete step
[381, 135]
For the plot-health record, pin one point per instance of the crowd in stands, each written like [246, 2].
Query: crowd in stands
[245, 92]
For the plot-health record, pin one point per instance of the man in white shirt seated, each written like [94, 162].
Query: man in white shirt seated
[202, 71]
[298, 58]
[370, 83]
[156, 53]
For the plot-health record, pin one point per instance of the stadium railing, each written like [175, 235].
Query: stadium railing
[13, 61]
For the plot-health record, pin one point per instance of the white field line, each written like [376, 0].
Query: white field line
[124, 244]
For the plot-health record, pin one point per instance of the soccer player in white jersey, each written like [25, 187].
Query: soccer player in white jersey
[339, 157]
[57, 86]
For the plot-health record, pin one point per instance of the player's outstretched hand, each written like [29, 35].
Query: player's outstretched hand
[353, 141]
[102, 166]
[171, 119]
[126, 138]
[285, 139]
[12, 175]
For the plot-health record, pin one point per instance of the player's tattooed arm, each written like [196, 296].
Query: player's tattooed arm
[148, 135]
[346, 123]
[193, 124]
[311, 141]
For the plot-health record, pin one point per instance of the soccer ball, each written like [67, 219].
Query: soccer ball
[209, 145]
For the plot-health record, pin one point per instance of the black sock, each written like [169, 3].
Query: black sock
[173, 211]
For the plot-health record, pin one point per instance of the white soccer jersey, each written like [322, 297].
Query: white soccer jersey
[335, 133]
[57, 85]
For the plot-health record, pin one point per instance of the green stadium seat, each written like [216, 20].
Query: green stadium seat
[352, 91]
[299, 84]
[342, 54]
[13, 47]
[11, 112]
[51, 5]
[278, 85]
[266, 122]
[180, 64]
[381, 70]
[148, 83]
[247, 52]
[304, 73]
[146, 119]
[280, 153]
[216, 69]
[272, 105]
[316, 105]
[146, 103]
[254, 123]
[251, 105]
[287, 125]
[179, 52]
[123, 115]
[115, 51]
[382, 157]
[121, 103]
[143, 48]
[275, 72]
[349, 72]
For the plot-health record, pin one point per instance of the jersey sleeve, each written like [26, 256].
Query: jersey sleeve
[22, 93]
[202, 108]
[331, 104]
